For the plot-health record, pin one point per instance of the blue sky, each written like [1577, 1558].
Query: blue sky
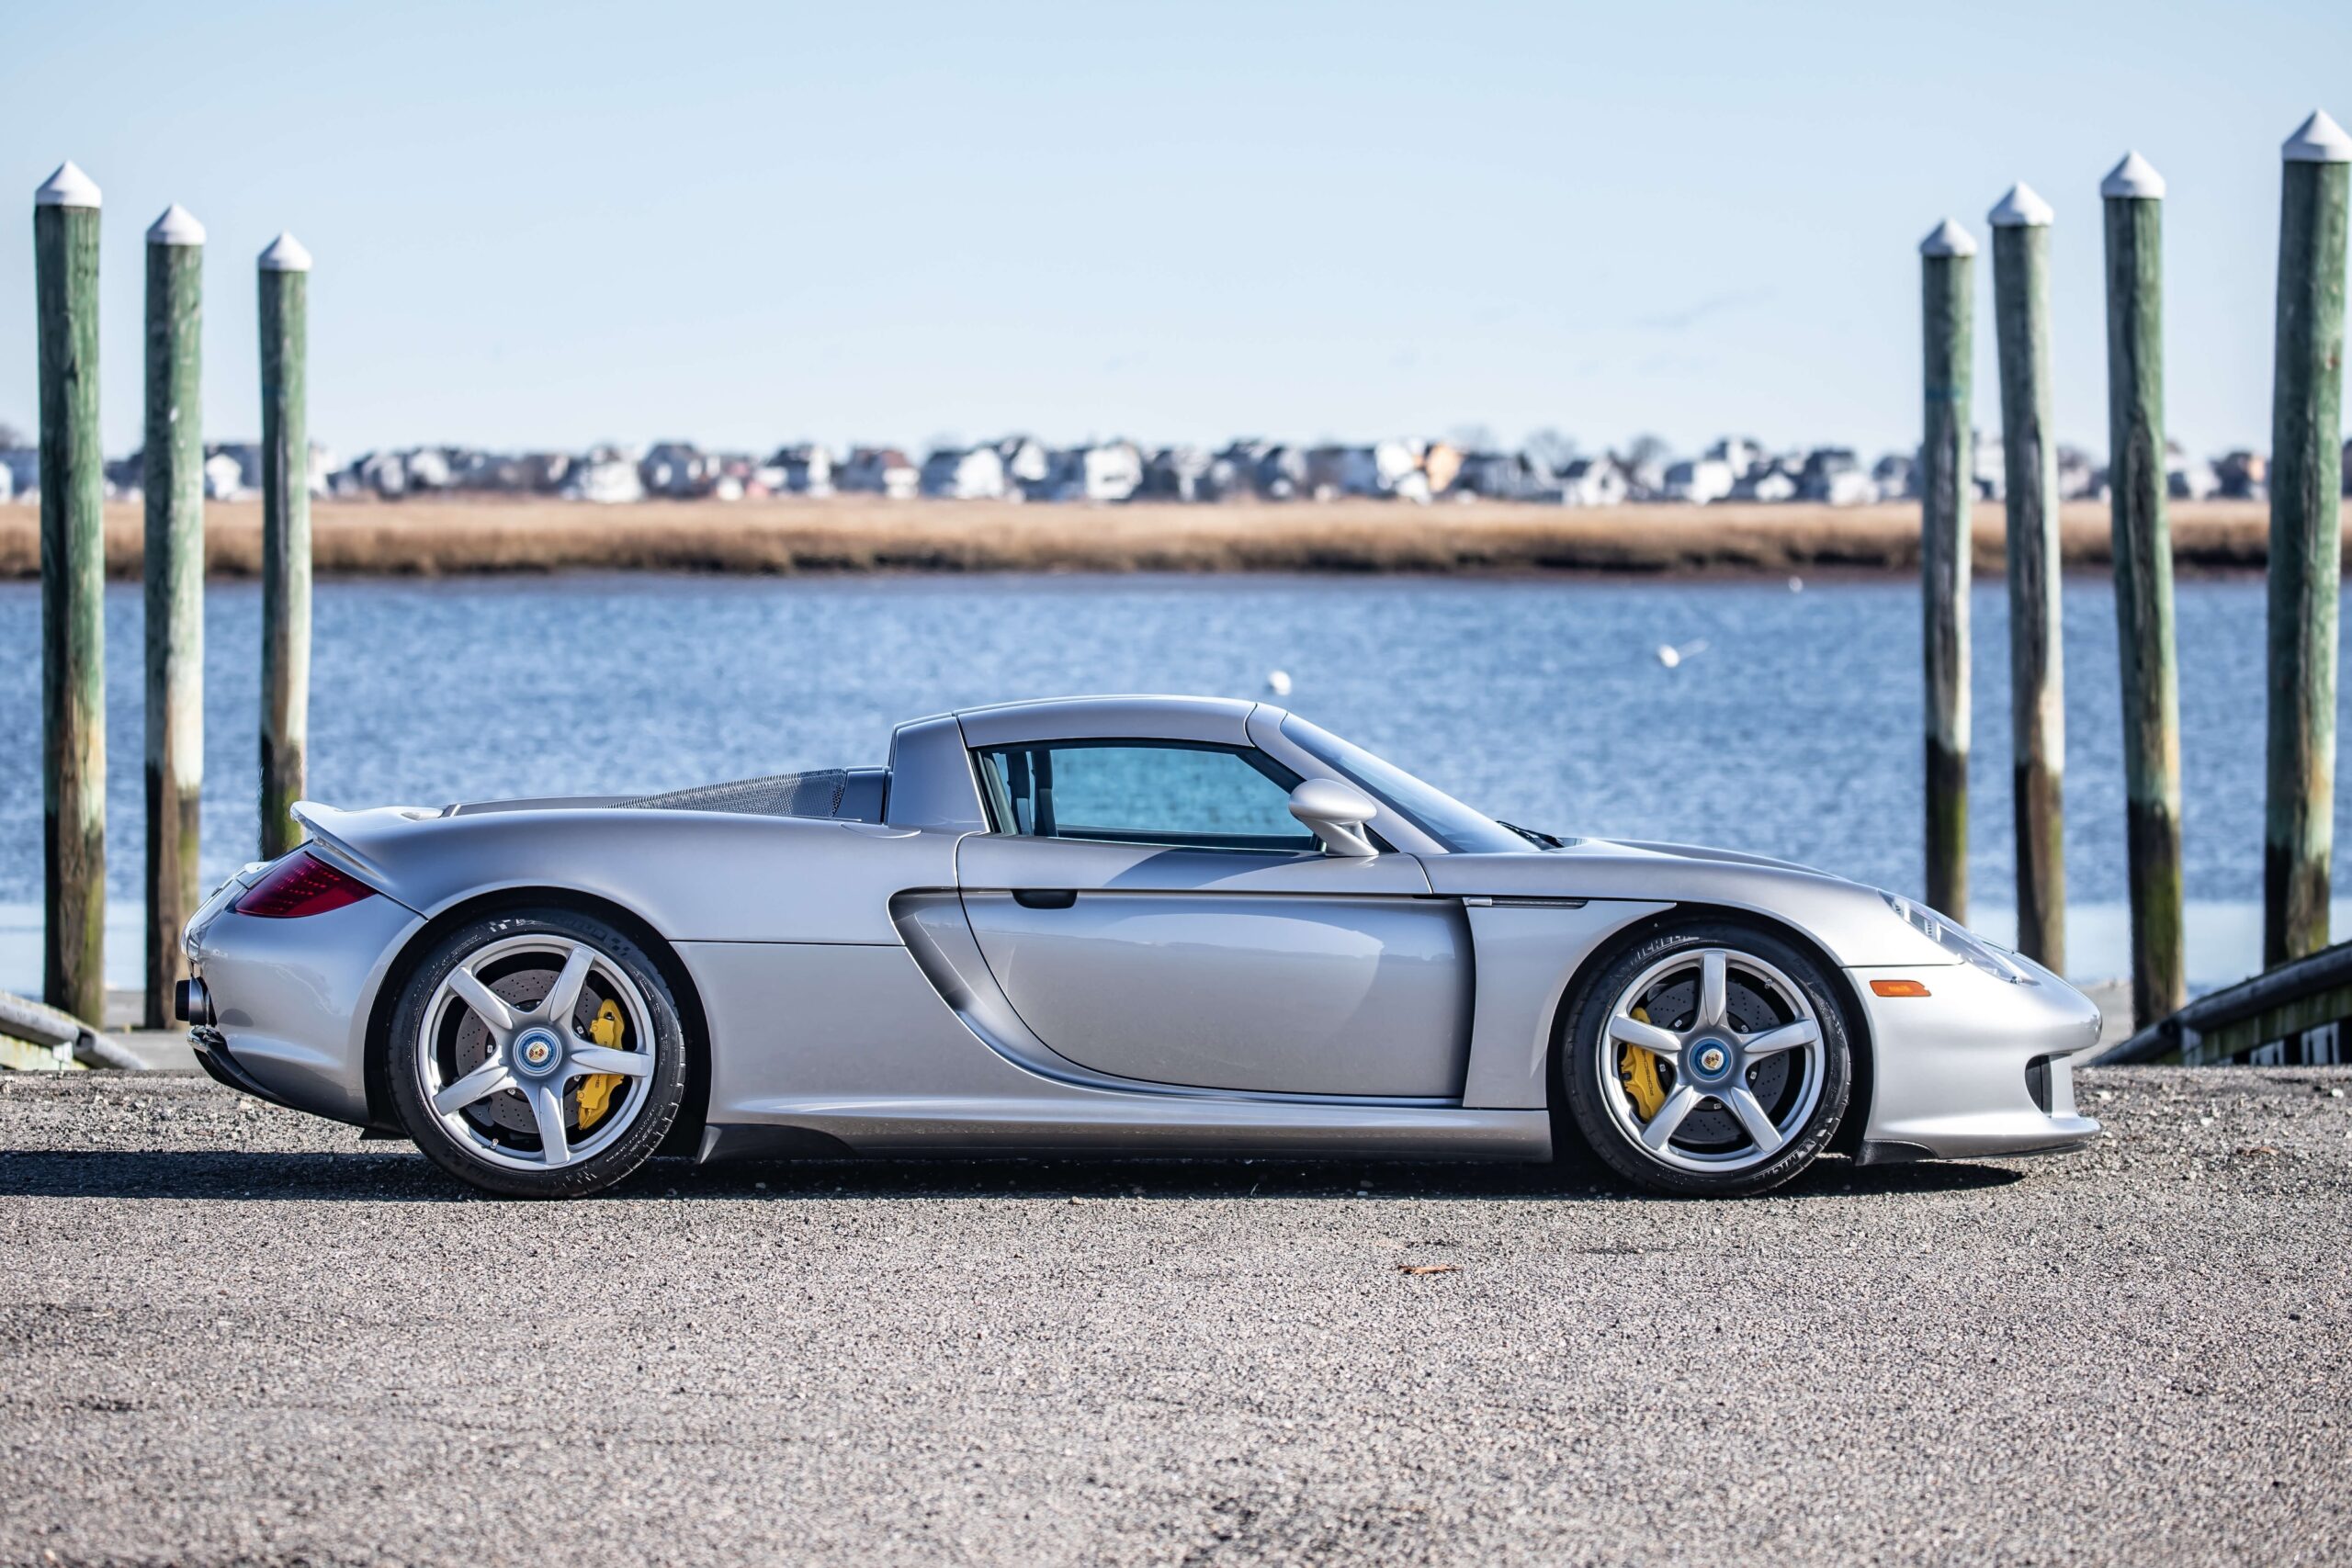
[543, 224]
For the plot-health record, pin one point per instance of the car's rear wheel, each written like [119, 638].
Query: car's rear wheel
[1708, 1059]
[537, 1054]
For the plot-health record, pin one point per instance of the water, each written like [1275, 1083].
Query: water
[1796, 733]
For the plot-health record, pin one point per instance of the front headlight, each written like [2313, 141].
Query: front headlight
[1962, 944]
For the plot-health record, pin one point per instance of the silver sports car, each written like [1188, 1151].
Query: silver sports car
[1106, 925]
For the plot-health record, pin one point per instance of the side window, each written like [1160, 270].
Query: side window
[1192, 796]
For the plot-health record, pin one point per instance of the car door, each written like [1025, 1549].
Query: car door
[1153, 912]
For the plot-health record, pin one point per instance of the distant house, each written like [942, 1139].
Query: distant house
[1740, 453]
[231, 470]
[2242, 475]
[2078, 477]
[1498, 476]
[606, 476]
[1593, 481]
[124, 479]
[383, 473]
[1834, 476]
[1109, 472]
[1767, 483]
[806, 470]
[1329, 468]
[1986, 467]
[962, 473]
[544, 472]
[1028, 466]
[1178, 473]
[1644, 474]
[677, 469]
[429, 468]
[1282, 473]
[879, 470]
[23, 467]
[1698, 480]
[1896, 477]
[2187, 478]
[1235, 469]
[1442, 461]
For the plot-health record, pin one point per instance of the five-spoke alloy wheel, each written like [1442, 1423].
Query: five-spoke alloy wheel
[1707, 1058]
[537, 1054]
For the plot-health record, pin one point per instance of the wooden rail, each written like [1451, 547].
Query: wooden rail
[2287, 1016]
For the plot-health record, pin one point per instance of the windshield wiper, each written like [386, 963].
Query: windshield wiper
[1541, 841]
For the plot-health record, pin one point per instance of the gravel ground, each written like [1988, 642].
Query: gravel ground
[235, 1335]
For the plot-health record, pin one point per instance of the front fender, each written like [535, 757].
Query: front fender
[1850, 923]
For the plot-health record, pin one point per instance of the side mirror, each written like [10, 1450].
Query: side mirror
[1337, 812]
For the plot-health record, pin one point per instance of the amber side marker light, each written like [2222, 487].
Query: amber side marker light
[1898, 988]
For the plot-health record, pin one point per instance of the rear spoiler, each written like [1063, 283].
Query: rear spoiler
[333, 832]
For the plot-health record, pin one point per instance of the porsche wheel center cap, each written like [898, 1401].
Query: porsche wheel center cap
[1710, 1059]
[538, 1053]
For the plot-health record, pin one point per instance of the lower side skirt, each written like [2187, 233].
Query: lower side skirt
[1188, 1128]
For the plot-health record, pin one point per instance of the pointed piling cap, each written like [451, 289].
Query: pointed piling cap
[286, 254]
[2318, 139]
[2135, 178]
[68, 188]
[1948, 238]
[2022, 208]
[177, 226]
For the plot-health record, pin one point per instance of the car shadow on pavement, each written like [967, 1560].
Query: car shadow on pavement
[392, 1174]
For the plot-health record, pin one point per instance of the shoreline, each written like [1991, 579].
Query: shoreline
[494, 536]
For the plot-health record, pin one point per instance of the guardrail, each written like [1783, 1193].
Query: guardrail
[66, 1040]
[2290, 1016]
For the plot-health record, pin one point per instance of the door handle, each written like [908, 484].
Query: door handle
[1044, 897]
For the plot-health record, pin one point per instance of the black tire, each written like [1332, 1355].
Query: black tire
[403, 1062]
[1589, 1100]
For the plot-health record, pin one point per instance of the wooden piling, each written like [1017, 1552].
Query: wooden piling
[72, 597]
[2037, 661]
[2132, 195]
[2306, 511]
[173, 484]
[1948, 274]
[284, 540]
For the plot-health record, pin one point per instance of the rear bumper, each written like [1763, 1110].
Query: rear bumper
[1980, 1067]
[289, 1000]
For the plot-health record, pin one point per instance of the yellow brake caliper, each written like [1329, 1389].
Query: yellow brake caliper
[596, 1089]
[1636, 1066]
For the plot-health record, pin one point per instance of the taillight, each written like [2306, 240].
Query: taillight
[301, 883]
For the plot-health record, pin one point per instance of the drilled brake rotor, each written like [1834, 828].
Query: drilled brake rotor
[508, 1111]
[1674, 1006]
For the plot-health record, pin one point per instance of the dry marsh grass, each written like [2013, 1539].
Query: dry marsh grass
[437, 537]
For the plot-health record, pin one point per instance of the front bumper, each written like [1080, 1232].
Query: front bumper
[1978, 1068]
[289, 1000]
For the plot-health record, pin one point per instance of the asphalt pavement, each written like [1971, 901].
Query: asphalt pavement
[235, 1335]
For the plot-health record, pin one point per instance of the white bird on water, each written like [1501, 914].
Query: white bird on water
[1672, 657]
[1278, 683]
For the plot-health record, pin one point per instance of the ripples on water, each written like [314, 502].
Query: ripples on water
[1795, 734]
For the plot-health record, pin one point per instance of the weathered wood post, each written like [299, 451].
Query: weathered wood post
[2132, 195]
[2306, 526]
[284, 540]
[2037, 658]
[173, 482]
[1949, 276]
[72, 597]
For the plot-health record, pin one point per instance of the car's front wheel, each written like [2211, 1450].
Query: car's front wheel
[537, 1054]
[1709, 1059]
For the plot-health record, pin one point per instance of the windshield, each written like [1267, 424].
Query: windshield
[1432, 810]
